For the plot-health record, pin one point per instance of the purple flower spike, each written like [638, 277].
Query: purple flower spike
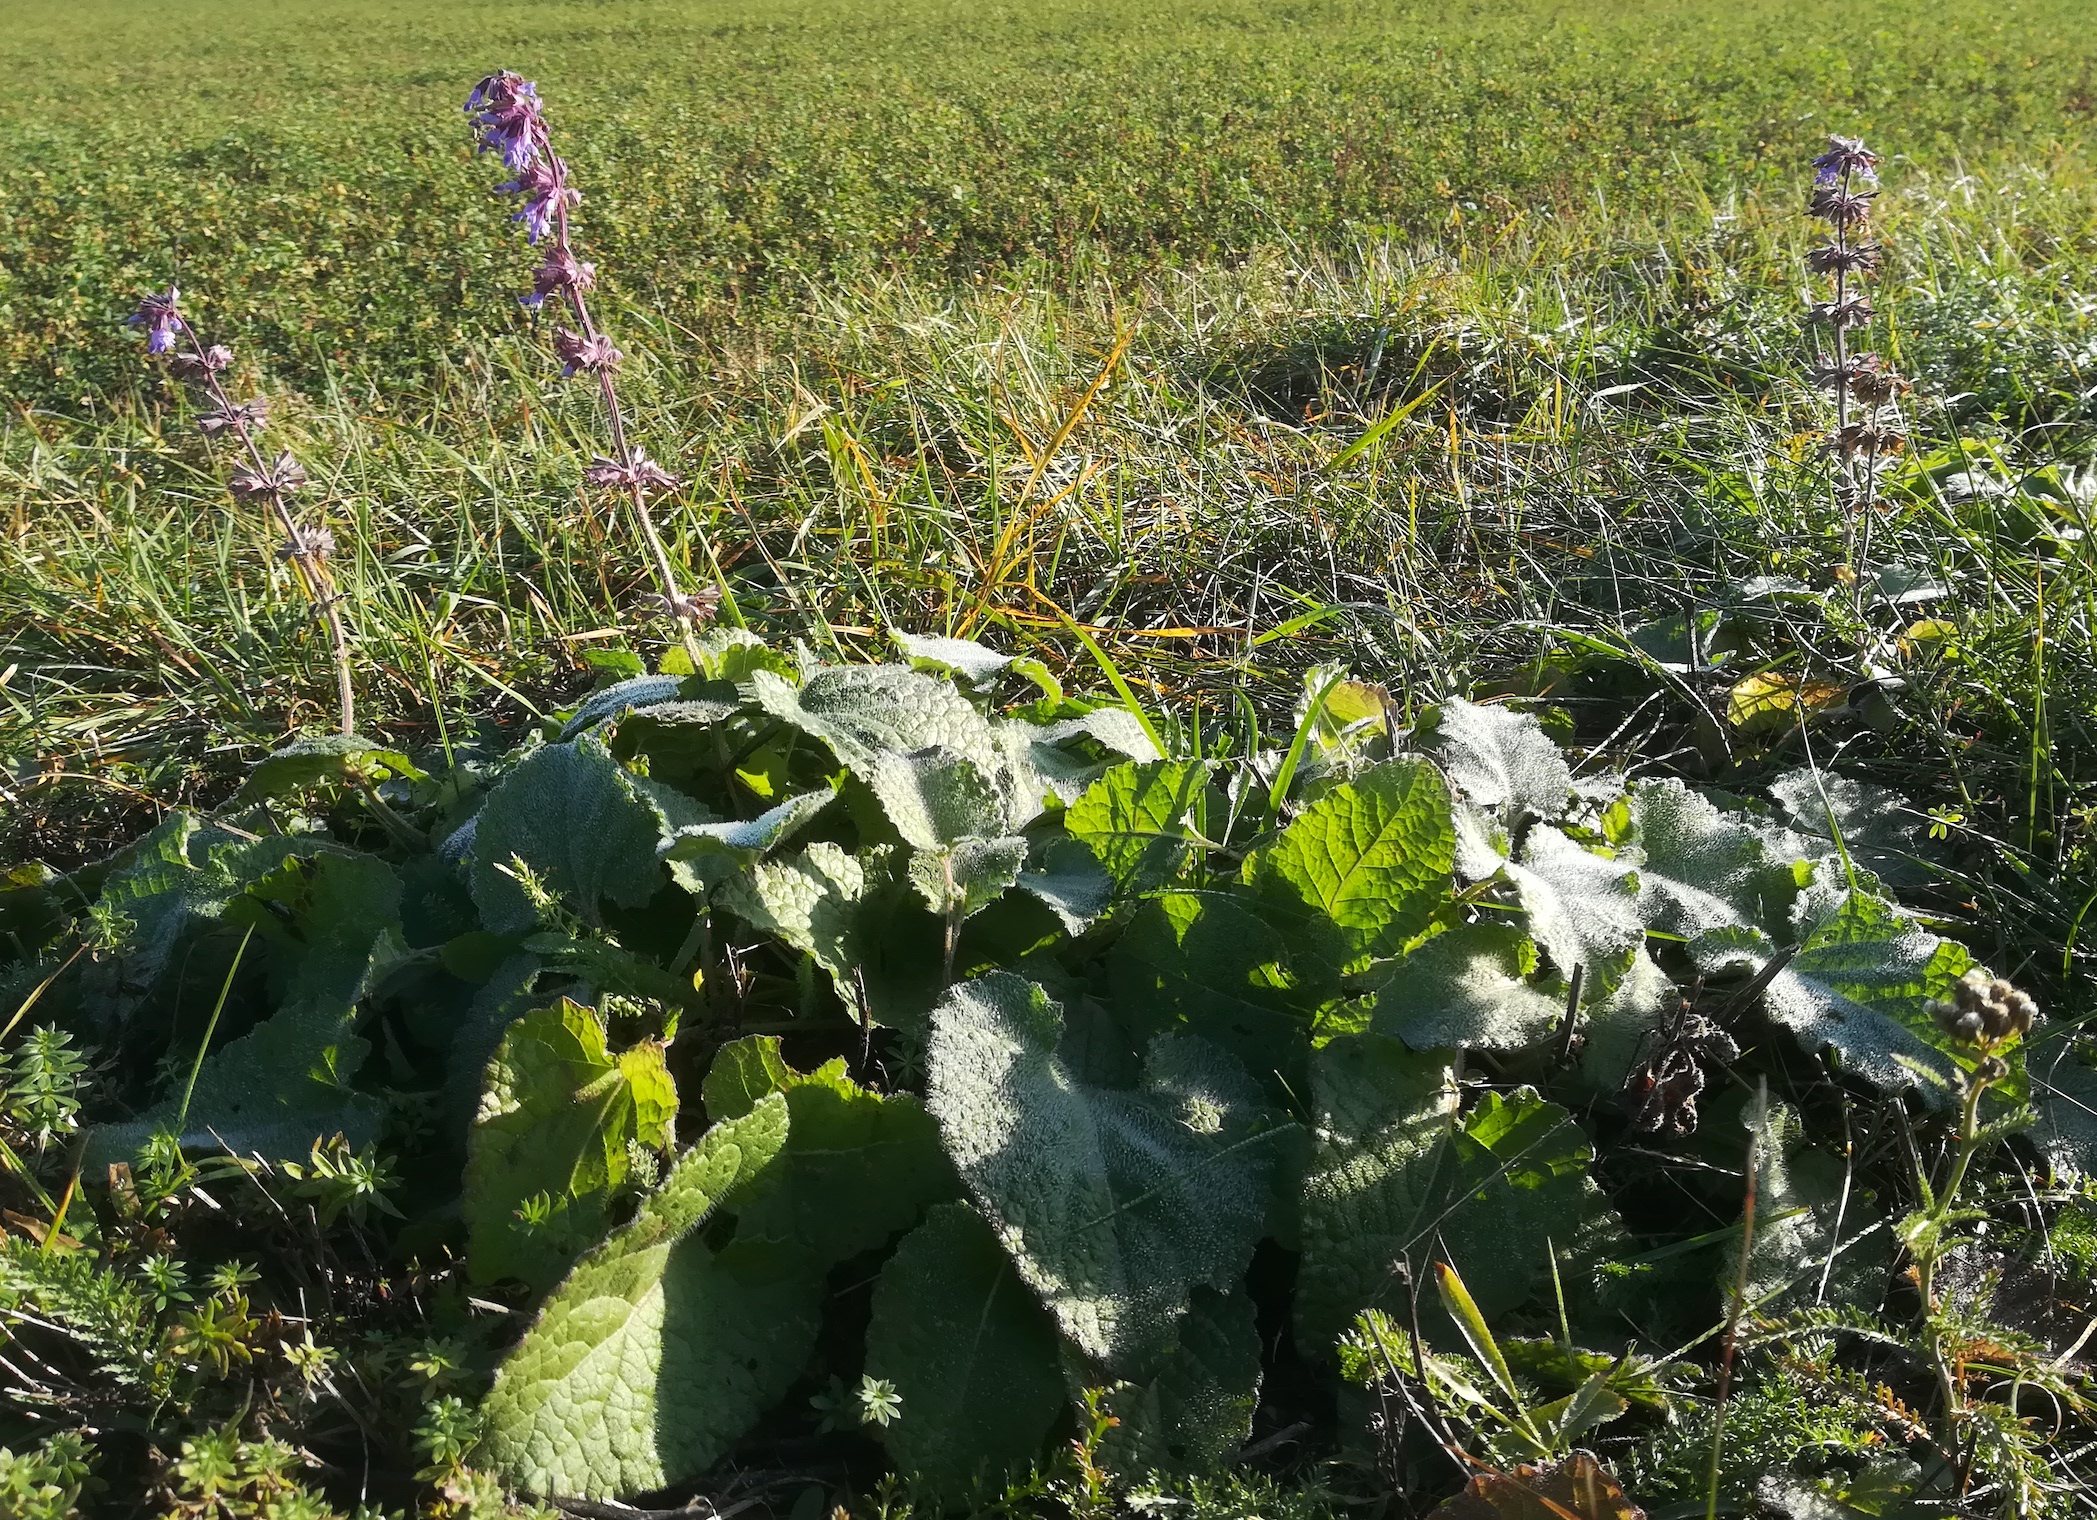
[546, 195]
[505, 106]
[158, 316]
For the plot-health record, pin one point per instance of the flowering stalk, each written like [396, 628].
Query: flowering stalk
[506, 112]
[1844, 185]
[307, 550]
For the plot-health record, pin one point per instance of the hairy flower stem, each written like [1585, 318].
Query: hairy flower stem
[307, 563]
[1938, 1219]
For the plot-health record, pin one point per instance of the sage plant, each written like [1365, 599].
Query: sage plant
[511, 123]
[1845, 182]
[272, 482]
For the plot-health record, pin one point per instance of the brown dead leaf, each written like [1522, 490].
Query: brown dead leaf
[1577, 1488]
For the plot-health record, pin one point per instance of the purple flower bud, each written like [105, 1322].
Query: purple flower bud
[1846, 155]
[279, 479]
[246, 416]
[644, 474]
[561, 273]
[580, 353]
[157, 314]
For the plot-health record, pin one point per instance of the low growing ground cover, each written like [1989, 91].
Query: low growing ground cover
[1297, 852]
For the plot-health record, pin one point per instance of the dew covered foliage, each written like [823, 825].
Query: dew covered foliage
[918, 1063]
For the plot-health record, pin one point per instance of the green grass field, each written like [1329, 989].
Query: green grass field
[1460, 344]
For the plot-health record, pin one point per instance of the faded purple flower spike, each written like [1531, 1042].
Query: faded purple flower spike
[158, 316]
[277, 480]
[199, 366]
[240, 417]
[315, 543]
[561, 273]
[578, 352]
[1846, 156]
[698, 608]
[1850, 311]
[643, 474]
[1835, 258]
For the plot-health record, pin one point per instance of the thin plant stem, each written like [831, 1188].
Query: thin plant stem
[210, 1028]
[1739, 1307]
[308, 566]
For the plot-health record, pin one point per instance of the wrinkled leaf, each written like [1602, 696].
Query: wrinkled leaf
[1138, 820]
[1583, 907]
[1195, 1413]
[1468, 987]
[702, 855]
[306, 763]
[1707, 869]
[553, 1128]
[1370, 860]
[865, 711]
[656, 1354]
[1496, 757]
[1114, 1205]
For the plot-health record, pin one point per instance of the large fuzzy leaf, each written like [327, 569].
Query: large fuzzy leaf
[1196, 1411]
[1468, 987]
[1856, 990]
[1204, 963]
[656, 1353]
[1139, 820]
[1113, 1204]
[2064, 1093]
[969, 1349]
[857, 1166]
[309, 762]
[1802, 1200]
[1369, 862]
[549, 1143]
[1705, 869]
[936, 797]
[866, 711]
[1583, 907]
[1498, 758]
[587, 828]
[703, 855]
[1396, 1177]
[1879, 831]
[812, 900]
[285, 1083]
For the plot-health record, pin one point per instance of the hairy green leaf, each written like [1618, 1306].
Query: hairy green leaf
[811, 900]
[936, 797]
[588, 829]
[306, 763]
[285, 1083]
[865, 711]
[1372, 859]
[1704, 868]
[969, 1349]
[1396, 1177]
[1195, 1412]
[1583, 907]
[549, 1143]
[703, 855]
[1880, 832]
[656, 1353]
[1496, 757]
[968, 876]
[1113, 1204]
[1468, 986]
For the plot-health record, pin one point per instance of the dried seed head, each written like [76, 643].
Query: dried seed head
[1985, 1011]
[1833, 258]
[279, 479]
[644, 474]
[202, 366]
[1865, 377]
[1845, 208]
[697, 608]
[579, 353]
[310, 544]
[1866, 438]
[250, 416]
[1850, 311]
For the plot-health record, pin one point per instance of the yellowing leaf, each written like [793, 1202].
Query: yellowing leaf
[1578, 1488]
[1773, 700]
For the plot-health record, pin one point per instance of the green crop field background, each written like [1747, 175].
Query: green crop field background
[302, 168]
